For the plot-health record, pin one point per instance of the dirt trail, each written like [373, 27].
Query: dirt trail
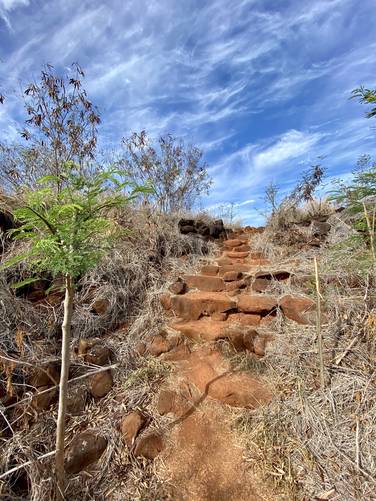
[202, 460]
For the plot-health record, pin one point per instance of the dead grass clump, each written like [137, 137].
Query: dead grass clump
[290, 224]
[312, 443]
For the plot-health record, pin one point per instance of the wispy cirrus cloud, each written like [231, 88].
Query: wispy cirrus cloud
[262, 87]
[8, 5]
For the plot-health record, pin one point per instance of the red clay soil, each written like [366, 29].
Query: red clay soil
[204, 463]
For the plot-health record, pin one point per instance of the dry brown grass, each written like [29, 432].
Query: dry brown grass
[310, 442]
[289, 225]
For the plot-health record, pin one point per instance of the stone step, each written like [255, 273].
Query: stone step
[257, 304]
[225, 261]
[193, 305]
[242, 248]
[204, 283]
[263, 279]
[210, 374]
[249, 319]
[300, 309]
[210, 269]
[239, 333]
[236, 255]
[204, 329]
[231, 276]
[235, 242]
[237, 267]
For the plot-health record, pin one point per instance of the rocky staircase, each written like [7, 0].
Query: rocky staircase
[226, 300]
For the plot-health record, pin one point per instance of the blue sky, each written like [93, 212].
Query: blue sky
[261, 85]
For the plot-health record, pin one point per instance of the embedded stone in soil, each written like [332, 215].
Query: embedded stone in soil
[297, 308]
[210, 373]
[84, 450]
[149, 446]
[256, 304]
[191, 306]
[130, 426]
[205, 283]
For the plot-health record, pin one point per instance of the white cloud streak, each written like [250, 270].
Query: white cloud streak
[242, 79]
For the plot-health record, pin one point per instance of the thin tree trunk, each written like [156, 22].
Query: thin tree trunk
[65, 363]
[318, 326]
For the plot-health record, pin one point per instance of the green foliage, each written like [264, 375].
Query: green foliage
[361, 190]
[366, 96]
[70, 229]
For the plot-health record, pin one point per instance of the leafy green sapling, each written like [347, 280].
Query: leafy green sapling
[69, 230]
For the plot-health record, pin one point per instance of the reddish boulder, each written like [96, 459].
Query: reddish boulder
[232, 276]
[298, 308]
[158, 345]
[232, 243]
[149, 446]
[101, 384]
[178, 287]
[47, 374]
[210, 269]
[165, 300]
[42, 401]
[85, 449]
[256, 304]
[249, 319]
[131, 425]
[237, 255]
[204, 283]
[100, 306]
[193, 305]
[98, 355]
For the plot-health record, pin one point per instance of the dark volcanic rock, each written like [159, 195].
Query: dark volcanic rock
[85, 449]
[213, 230]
